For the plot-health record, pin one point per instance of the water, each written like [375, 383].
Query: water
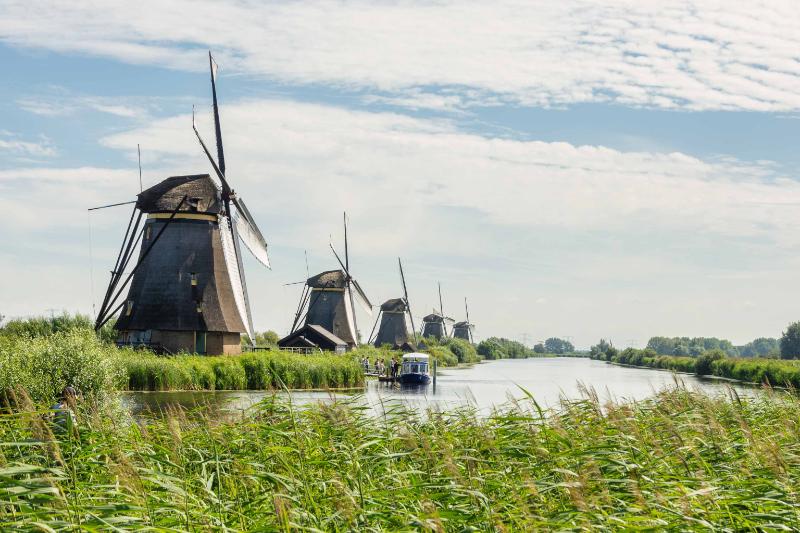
[484, 386]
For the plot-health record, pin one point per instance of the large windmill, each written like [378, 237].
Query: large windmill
[435, 324]
[394, 317]
[328, 300]
[187, 288]
[463, 330]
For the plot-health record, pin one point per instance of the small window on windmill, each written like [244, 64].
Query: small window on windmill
[194, 203]
[128, 307]
[147, 232]
[194, 279]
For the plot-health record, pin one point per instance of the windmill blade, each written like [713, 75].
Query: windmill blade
[466, 307]
[339, 259]
[346, 251]
[294, 283]
[212, 66]
[408, 304]
[219, 173]
[250, 234]
[362, 298]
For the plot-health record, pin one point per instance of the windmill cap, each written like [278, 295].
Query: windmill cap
[202, 195]
[330, 279]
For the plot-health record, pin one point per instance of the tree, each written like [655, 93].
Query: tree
[703, 365]
[539, 348]
[558, 346]
[790, 342]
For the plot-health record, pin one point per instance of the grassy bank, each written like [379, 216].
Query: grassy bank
[777, 372]
[678, 462]
[253, 371]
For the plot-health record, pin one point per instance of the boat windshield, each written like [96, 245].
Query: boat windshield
[415, 368]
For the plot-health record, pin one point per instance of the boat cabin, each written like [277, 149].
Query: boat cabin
[415, 369]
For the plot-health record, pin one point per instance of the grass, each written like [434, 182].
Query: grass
[680, 461]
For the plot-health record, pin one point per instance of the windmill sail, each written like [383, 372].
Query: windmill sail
[251, 237]
[229, 252]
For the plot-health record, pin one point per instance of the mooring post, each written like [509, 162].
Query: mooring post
[434, 374]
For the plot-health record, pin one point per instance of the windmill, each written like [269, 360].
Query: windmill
[435, 324]
[328, 300]
[190, 294]
[463, 330]
[394, 317]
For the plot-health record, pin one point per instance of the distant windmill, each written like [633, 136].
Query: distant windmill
[394, 317]
[463, 330]
[190, 294]
[328, 300]
[435, 324]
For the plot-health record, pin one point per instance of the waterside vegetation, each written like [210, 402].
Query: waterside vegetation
[775, 372]
[676, 462]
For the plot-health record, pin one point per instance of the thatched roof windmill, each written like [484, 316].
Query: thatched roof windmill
[329, 299]
[187, 288]
[394, 318]
[463, 330]
[435, 324]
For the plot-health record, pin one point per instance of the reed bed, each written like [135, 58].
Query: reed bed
[680, 461]
[249, 371]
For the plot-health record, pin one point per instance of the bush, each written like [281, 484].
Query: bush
[45, 326]
[45, 364]
[703, 362]
[464, 350]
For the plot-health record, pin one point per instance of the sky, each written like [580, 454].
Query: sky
[574, 169]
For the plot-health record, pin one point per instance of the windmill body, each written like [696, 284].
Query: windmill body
[187, 289]
[464, 329]
[329, 305]
[394, 326]
[328, 301]
[187, 294]
[435, 325]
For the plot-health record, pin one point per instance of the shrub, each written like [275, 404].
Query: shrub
[44, 365]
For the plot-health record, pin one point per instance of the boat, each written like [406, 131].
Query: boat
[415, 369]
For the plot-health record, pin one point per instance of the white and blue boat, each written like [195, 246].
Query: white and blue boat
[415, 369]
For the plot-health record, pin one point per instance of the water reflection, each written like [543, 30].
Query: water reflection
[484, 386]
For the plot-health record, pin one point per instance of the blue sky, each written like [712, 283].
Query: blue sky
[624, 170]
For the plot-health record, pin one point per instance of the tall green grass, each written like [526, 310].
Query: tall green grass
[678, 462]
[258, 370]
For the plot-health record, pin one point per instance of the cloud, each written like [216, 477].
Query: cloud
[378, 162]
[698, 55]
[60, 103]
[661, 238]
[10, 143]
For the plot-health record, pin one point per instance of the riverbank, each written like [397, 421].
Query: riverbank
[686, 460]
[775, 372]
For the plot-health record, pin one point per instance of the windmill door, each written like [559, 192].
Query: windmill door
[200, 342]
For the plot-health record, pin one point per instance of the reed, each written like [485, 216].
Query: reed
[680, 461]
[253, 371]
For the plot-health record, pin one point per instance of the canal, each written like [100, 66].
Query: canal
[484, 386]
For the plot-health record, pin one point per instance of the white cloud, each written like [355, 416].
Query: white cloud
[9, 142]
[332, 157]
[692, 54]
[61, 103]
[662, 240]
